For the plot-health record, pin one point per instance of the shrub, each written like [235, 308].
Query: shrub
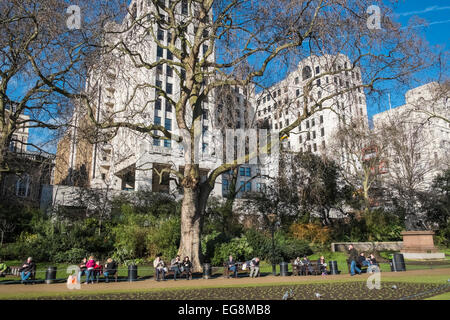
[74, 255]
[239, 248]
[311, 232]
[164, 237]
[210, 242]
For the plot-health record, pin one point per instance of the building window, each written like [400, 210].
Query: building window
[297, 92]
[205, 128]
[315, 147]
[321, 119]
[261, 187]
[318, 82]
[168, 106]
[306, 73]
[296, 80]
[314, 134]
[168, 124]
[184, 7]
[169, 55]
[169, 71]
[167, 143]
[169, 88]
[157, 120]
[307, 124]
[158, 104]
[300, 140]
[317, 70]
[183, 74]
[242, 171]
[248, 172]
[23, 186]
[156, 141]
[322, 132]
[308, 136]
[160, 35]
[225, 186]
[159, 52]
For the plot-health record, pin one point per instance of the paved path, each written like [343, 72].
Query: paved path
[41, 289]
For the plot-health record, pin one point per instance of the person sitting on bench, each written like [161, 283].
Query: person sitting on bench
[110, 269]
[297, 266]
[307, 267]
[322, 265]
[373, 264]
[27, 270]
[187, 267]
[98, 270]
[363, 261]
[231, 266]
[3, 269]
[352, 260]
[254, 267]
[160, 268]
[175, 266]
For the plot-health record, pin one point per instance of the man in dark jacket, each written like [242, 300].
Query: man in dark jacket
[352, 260]
[110, 269]
[27, 270]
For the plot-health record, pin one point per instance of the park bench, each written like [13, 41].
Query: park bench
[362, 268]
[170, 272]
[226, 271]
[304, 270]
[13, 271]
[114, 276]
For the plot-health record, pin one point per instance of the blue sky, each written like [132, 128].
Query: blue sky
[435, 12]
[437, 33]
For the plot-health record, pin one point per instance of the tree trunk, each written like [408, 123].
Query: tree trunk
[192, 209]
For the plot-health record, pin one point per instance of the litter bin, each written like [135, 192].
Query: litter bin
[284, 269]
[50, 275]
[398, 263]
[132, 273]
[333, 267]
[206, 270]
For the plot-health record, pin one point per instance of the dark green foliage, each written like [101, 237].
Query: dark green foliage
[284, 249]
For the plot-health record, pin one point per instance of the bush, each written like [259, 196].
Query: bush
[210, 242]
[239, 248]
[285, 247]
[74, 255]
[164, 237]
[313, 233]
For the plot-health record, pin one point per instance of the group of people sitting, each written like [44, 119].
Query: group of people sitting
[357, 261]
[178, 266]
[304, 266]
[94, 269]
[231, 266]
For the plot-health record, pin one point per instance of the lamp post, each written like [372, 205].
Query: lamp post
[272, 219]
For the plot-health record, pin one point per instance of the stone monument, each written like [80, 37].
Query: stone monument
[419, 245]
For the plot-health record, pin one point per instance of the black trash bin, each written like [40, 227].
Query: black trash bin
[333, 267]
[132, 272]
[284, 269]
[50, 275]
[398, 263]
[207, 270]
